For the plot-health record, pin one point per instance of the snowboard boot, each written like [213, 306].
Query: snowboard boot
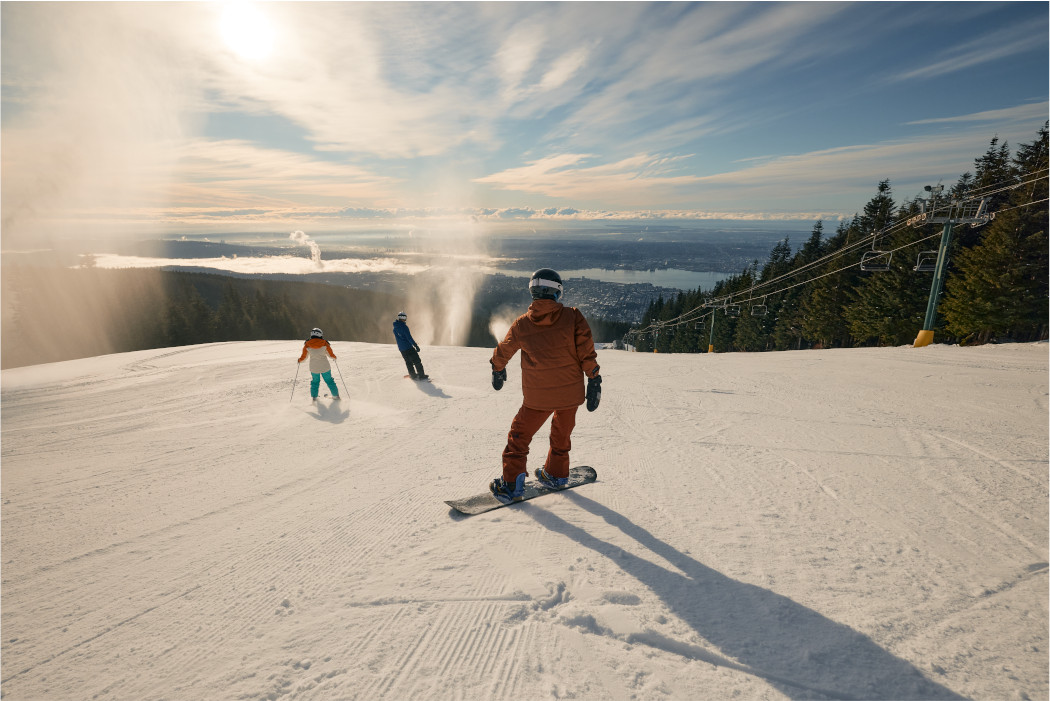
[550, 482]
[506, 493]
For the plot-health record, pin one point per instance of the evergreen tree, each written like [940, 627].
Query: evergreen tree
[233, 320]
[202, 320]
[994, 171]
[888, 307]
[273, 320]
[878, 212]
[1000, 286]
[751, 333]
[813, 249]
[962, 187]
[823, 320]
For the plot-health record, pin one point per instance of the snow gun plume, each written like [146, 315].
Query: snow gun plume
[303, 240]
[499, 323]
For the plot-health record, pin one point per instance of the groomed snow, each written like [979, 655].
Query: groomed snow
[866, 523]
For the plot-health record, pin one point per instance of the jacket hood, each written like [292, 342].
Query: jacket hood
[544, 312]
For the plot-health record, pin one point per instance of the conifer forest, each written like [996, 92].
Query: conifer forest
[820, 295]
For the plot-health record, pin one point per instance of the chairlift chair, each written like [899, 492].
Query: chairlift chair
[732, 310]
[875, 261]
[926, 262]
[758, 310]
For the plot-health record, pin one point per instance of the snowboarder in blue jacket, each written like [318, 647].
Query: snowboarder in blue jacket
[409, 348]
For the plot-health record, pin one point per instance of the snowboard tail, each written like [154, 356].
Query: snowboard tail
[480, 503]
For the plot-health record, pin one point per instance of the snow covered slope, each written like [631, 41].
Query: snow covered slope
[863, 523]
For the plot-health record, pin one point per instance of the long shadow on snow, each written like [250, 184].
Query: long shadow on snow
[432, 389]
[800, 652]
[333, 413]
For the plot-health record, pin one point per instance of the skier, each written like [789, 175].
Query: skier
[409, 348]
[557, 352]
[318, 350]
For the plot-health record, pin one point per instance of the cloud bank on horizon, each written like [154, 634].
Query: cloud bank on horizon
[186, 116]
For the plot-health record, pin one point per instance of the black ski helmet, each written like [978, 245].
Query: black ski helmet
[545, 284]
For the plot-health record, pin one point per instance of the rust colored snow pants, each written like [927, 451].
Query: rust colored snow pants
[524, 427]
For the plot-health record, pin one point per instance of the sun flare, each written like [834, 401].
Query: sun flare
[247, 31]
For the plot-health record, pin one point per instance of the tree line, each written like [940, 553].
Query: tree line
[813, 297]
[53, 314]
[59, 313]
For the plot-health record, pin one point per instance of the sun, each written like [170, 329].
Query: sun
[247, 31]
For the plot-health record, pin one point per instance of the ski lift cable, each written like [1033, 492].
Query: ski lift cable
[847, 249]
[997, 188]
[677, 321]
[719, 302]
[1026, 204]
[889, 229]
[726, 300]
[907, 245]
[1001, 186]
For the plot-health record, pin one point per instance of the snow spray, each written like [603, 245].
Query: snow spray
[499, 324]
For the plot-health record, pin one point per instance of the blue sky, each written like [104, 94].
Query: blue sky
[209, 116]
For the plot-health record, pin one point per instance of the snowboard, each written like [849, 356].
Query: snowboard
[480, 503]
[418, 379]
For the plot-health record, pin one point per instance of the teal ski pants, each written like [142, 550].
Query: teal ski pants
[315, 382]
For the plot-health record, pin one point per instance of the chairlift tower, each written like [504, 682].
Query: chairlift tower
[711, 337]
[937, 210]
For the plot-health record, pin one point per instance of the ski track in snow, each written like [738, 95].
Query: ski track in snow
[867, 523]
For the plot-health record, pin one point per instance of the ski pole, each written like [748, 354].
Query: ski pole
[293, 381]
[341, 378]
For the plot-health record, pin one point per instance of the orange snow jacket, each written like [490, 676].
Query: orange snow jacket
[317, 349]
[557, 351]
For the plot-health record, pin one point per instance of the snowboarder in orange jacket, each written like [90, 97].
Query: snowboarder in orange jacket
[557, 352]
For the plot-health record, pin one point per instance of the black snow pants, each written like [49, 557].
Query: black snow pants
[413, 363]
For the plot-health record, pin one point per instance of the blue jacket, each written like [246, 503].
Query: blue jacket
[403, 336]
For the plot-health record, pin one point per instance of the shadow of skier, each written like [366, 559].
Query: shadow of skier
[334, 412]
[794, 648]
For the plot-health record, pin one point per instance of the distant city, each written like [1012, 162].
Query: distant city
[618, 273]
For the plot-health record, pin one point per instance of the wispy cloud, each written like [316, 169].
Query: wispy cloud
[139, 112]
[986, 48]
[1026, 115]
[241, 173]
[631, 181]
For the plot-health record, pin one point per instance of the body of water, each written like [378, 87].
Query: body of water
[668, 277]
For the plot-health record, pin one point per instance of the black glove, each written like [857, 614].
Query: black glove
[594, 392]
[415, 347]
[498, 378]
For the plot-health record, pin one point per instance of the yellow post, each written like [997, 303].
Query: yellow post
[924, 338]
[711, 349]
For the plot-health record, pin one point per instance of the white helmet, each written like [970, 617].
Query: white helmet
[401, 316]
[317, 333]
[545, 284]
